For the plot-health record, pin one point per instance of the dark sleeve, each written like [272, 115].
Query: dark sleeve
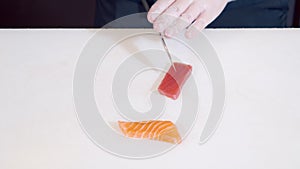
[105, 12]
[237, 14]
[109, 10]
[253, 14]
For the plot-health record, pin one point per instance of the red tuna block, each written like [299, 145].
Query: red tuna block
[174, 80]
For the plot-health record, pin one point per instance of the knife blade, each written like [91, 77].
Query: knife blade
[167, 50]
[146, 6]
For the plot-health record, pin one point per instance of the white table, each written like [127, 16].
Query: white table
[260, 127]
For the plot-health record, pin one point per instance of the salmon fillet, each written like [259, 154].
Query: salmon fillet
[174, 80]
[155, 130]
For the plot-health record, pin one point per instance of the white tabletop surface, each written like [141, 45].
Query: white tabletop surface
[260, 127]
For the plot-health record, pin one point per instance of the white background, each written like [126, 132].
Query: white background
[260, 127]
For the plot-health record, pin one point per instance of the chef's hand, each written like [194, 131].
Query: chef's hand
[173, 16]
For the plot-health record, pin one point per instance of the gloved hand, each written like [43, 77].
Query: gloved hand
[173, 16]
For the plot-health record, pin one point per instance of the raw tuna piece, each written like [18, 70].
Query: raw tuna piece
[174, 80]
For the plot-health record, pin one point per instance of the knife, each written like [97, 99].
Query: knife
[167, 50]
[146, 6]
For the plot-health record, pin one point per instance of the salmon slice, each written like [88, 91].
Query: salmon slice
[174, 80]
[155, 130]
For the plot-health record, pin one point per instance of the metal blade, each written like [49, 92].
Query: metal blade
[167, 50]
[146, 6]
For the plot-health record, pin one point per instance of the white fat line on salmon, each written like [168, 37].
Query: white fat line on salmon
[150, 125]
[134, 130]
[131, 125]
[166, 129]
[167, 124]
[140, 129]
[154, 129]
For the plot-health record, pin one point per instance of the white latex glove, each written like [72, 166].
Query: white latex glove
[173, 16]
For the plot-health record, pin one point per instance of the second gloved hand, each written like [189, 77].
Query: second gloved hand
[173, 16]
